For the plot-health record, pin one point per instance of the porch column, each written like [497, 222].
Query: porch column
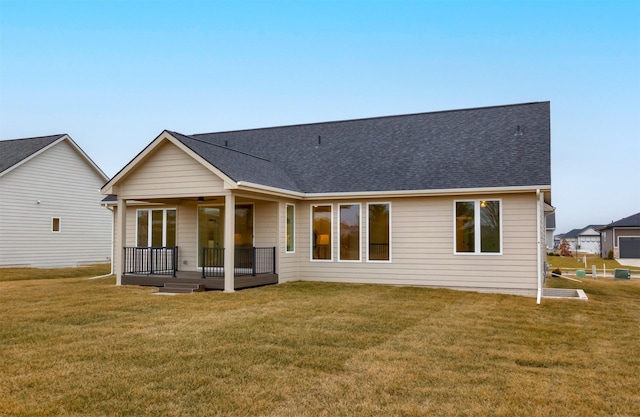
[120, 239]
[229, 242]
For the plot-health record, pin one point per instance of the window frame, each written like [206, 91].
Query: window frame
[477, 227]
[293, 229]
[53, 224]
[368, 242]
[150, 226]
[331, 237]
[359, 232]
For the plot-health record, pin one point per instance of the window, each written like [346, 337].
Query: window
[291, 222]
[321, 217]
[349, 232]
[478, 226]
[379, 232]
[156, 228]
[55, 224]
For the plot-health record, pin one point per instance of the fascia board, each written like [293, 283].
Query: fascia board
[248, 186]
[33, 155]
[86, 158]
[109, 187]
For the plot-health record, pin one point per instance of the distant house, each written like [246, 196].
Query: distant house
[586, 239]
[622, 237]
[550, 227]
[445, 199]
[50, 211]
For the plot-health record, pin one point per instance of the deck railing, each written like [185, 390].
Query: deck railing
[248, 261]
[151, 260]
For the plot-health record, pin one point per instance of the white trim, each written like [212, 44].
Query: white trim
[165, 136]
[477, 228]
[74, 145]
[150, 224]
[293, 228]
[539, 218]
[338, 245]
[249, 186]
[385, 261]
[331, 238]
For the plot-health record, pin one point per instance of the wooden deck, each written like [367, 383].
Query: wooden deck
[195, 277]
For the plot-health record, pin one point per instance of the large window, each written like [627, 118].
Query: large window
[477, 227]
[350, 232]
[291, 223]
[156, 228]
[379, 231]
[321, 232]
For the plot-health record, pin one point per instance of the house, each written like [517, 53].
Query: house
[50, 212]
[550, 227]
[586, 239]
[451, 199]
[622, 238]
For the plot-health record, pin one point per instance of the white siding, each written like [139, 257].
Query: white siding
[169, 173]
[422, 249]
[68, 188]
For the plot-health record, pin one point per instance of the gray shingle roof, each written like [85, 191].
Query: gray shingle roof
[472, 148]
[631, 221]
[15, 150]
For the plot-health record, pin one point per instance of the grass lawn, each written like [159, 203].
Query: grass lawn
[79, 347]
[19, 274]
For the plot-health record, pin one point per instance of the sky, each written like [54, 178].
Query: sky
[115, 74]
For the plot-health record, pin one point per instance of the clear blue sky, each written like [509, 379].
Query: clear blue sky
[114, 74]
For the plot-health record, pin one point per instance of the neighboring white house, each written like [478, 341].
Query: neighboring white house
[445, 199]
[585, 240]
[550, 222]
[50, 205]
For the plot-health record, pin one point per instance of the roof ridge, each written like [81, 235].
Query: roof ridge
[370, 118]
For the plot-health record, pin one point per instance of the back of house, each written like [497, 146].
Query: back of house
[451, 199]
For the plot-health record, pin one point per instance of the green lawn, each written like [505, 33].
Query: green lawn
[78, 347]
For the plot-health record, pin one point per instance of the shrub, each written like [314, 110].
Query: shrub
[610, 255]
[556, 271]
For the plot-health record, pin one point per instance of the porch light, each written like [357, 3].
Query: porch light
[483, 204]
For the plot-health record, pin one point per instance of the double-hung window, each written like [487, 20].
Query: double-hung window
[478, 227]
[156, 228]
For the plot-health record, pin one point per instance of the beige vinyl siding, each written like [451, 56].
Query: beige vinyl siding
[68, 188]
[422, 248]
[265, 214]
[170, 173]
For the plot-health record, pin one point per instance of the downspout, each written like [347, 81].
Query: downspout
[539, 197]
[112, 234]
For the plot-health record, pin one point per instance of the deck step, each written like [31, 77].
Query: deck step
[181, 288]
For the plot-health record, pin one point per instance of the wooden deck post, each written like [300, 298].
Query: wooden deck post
[229, 242]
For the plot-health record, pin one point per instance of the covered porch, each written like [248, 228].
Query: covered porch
[185, 240]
